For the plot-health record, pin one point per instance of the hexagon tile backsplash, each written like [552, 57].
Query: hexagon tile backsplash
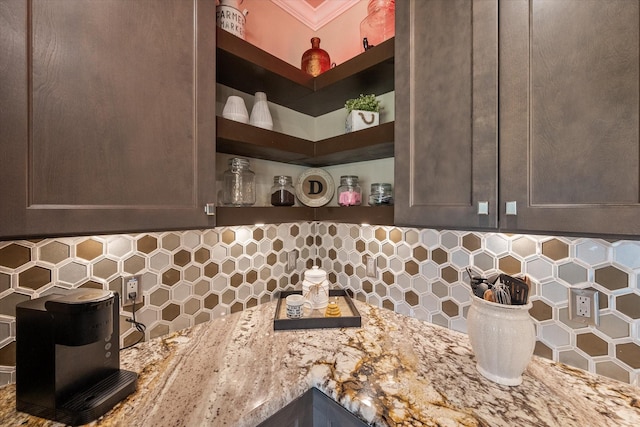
[189, 277]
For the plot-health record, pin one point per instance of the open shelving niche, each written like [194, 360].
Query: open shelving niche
[249, 69]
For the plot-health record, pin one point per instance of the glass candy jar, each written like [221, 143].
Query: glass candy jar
[380, 195]
[282, 191]
[349, 192]
[379, 25]
[239, 184]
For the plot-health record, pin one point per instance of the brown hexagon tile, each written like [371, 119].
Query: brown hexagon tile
[629, 353]
[348, 269]
[13, 256]
[251, 248]
[294, 230]
[272, 285]
[251, 302]
[229, 266]
[360, 245]
[34, 278]
[236, 307]
[420, 253]
[543, 350]
[133, 264]
[373, 247]
[592, 344]
[201, 287]
[411, 268]
[541, 311]
[236, 250]
[54, 252]
[228, 296]
[412, 298]
[367, 286]
[5, 282]
[309, 241]
[236, 280]
[333, 230]
[555, 249]
[146, 244]
[8, 354]
[611, 278]
[381, 289]
[159, 297]
[272, 259]
[388, 278]
[202, 317]
[395, 235]
[388, 249]
[388, 304]
[251, 276]
[211, 269]
[158, 330]
[202, 255]
[170, 312]
[439, 256]
[211, 301]
[277, 245]
[192, 273]
[171, 241]
[380, 234]
[450, 275]
[8, 303]
[450, 308]
[629, 304]
[612, 370]
[471, 242]
[89, 249]
[483, 261]
[354, 231]
[171, 277]
[510, 265]
[258, 234]
[333, 254]
[182, 258]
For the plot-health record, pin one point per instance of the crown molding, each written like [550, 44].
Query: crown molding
[315, 18]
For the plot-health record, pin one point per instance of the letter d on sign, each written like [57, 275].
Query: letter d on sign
[315, 187]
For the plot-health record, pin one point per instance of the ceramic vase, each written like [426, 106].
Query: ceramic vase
[359, 119]
[260, 115]
[230, 18]
[235, 109]
[315, 61]
[502, 337]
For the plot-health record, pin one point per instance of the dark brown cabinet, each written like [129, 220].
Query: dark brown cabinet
[108, 116]
[569, 97]
[551, 146]
[446, 113]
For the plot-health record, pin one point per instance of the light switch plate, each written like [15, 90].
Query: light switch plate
[292, 257]
[371, 266]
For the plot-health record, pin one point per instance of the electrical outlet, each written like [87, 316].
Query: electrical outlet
[131, 284]
[292, 257]
[584, 306]
[371, 267]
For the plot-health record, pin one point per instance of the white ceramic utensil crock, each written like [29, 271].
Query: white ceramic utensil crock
[315, 287]
[502, 337]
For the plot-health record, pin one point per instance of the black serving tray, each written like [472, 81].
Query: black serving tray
[350, 316]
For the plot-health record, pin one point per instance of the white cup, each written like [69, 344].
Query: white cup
[295, 306]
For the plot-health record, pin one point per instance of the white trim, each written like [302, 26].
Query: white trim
[315, 18]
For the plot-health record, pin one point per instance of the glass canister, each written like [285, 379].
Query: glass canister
[315, 61]
[381, 194]
[349, 192]
[379, 25]
[282, 191]
[239, 183]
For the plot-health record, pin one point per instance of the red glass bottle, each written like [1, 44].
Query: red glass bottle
[315, 61]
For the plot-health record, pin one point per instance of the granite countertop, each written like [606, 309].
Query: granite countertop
[394, 370]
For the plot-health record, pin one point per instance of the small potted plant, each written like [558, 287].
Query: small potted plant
[362, 112]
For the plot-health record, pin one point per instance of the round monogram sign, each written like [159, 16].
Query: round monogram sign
[315, 188]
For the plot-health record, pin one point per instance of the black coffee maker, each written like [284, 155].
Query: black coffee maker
[68, 356]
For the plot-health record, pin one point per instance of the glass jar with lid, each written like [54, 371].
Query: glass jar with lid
[239, 184]
[379, 25]
[282, 191]
[381, 194]
[349, 192]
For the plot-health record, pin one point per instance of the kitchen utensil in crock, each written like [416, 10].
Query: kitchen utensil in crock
[518, 289]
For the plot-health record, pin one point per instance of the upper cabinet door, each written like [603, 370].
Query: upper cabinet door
[108, 115]
[446, 113]
[569, 96]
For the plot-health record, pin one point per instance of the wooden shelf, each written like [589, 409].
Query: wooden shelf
[249, 69]
[230, 216]
[250, 141]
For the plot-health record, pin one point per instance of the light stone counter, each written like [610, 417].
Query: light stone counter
[395, 370]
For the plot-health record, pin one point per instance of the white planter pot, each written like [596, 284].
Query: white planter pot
[358, 119]
[502, 337]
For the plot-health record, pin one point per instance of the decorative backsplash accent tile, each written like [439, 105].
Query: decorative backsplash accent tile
[190, 277]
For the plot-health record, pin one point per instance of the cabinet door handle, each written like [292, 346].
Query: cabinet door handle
[512, 208]
[483, 208]
[210, 209]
